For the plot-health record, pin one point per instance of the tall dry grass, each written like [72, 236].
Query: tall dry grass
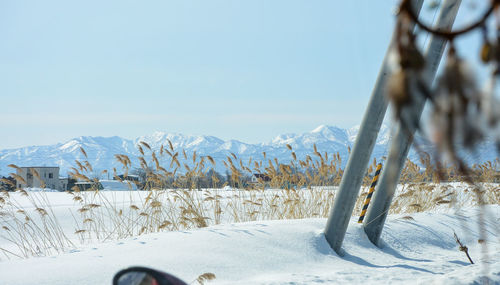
[173, 198]
[33, 232]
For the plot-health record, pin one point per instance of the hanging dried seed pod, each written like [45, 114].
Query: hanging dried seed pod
[438, 129]
[397, 89]
[457, 115]
[490, 108]
[473, 125]
[410, 56]
[486, 52]
[410, 62]
[490, 105]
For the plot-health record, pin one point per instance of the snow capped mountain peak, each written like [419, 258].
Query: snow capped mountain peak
[319, 129]
[352, 133]
[101, 150]
[319, 135]
[329, 133]
[284, 139]
[329, 130]
[157, 139]
[70, 145]
[384, 134]
[156, 136]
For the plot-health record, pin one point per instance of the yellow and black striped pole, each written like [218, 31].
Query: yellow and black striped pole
[370, 192]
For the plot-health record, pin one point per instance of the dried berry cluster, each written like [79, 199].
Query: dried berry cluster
[462, 114]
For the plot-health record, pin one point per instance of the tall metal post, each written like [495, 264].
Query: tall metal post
[352, 178]
[401, 142]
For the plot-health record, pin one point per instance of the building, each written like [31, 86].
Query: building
[259, 177]
[88, 185]
[63, 183]
[115, 185]
[129, 177]
[8, 183]
[40, 177]
[108, 185]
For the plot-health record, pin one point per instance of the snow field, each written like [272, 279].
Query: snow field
[417, 247]
[418, 251]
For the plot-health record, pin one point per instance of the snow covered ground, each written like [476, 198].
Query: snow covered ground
[416, 250]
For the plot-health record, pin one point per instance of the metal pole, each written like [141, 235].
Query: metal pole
[352, 178]
[400, 144]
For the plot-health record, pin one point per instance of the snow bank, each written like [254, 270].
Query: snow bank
[416, 250]
[34, 189]
[115, 185]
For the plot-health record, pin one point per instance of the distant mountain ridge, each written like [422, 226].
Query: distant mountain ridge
[101, 151]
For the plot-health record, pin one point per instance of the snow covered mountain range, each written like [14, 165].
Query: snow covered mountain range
[101, 150]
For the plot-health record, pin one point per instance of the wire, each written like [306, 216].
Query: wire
[433, 19]
[450, 35]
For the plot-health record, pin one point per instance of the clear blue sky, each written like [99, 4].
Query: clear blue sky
[246, 70]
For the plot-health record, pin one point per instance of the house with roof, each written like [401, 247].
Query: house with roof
[260, 178]
[40, 177]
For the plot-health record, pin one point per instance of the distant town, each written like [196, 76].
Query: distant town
[47, 177]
